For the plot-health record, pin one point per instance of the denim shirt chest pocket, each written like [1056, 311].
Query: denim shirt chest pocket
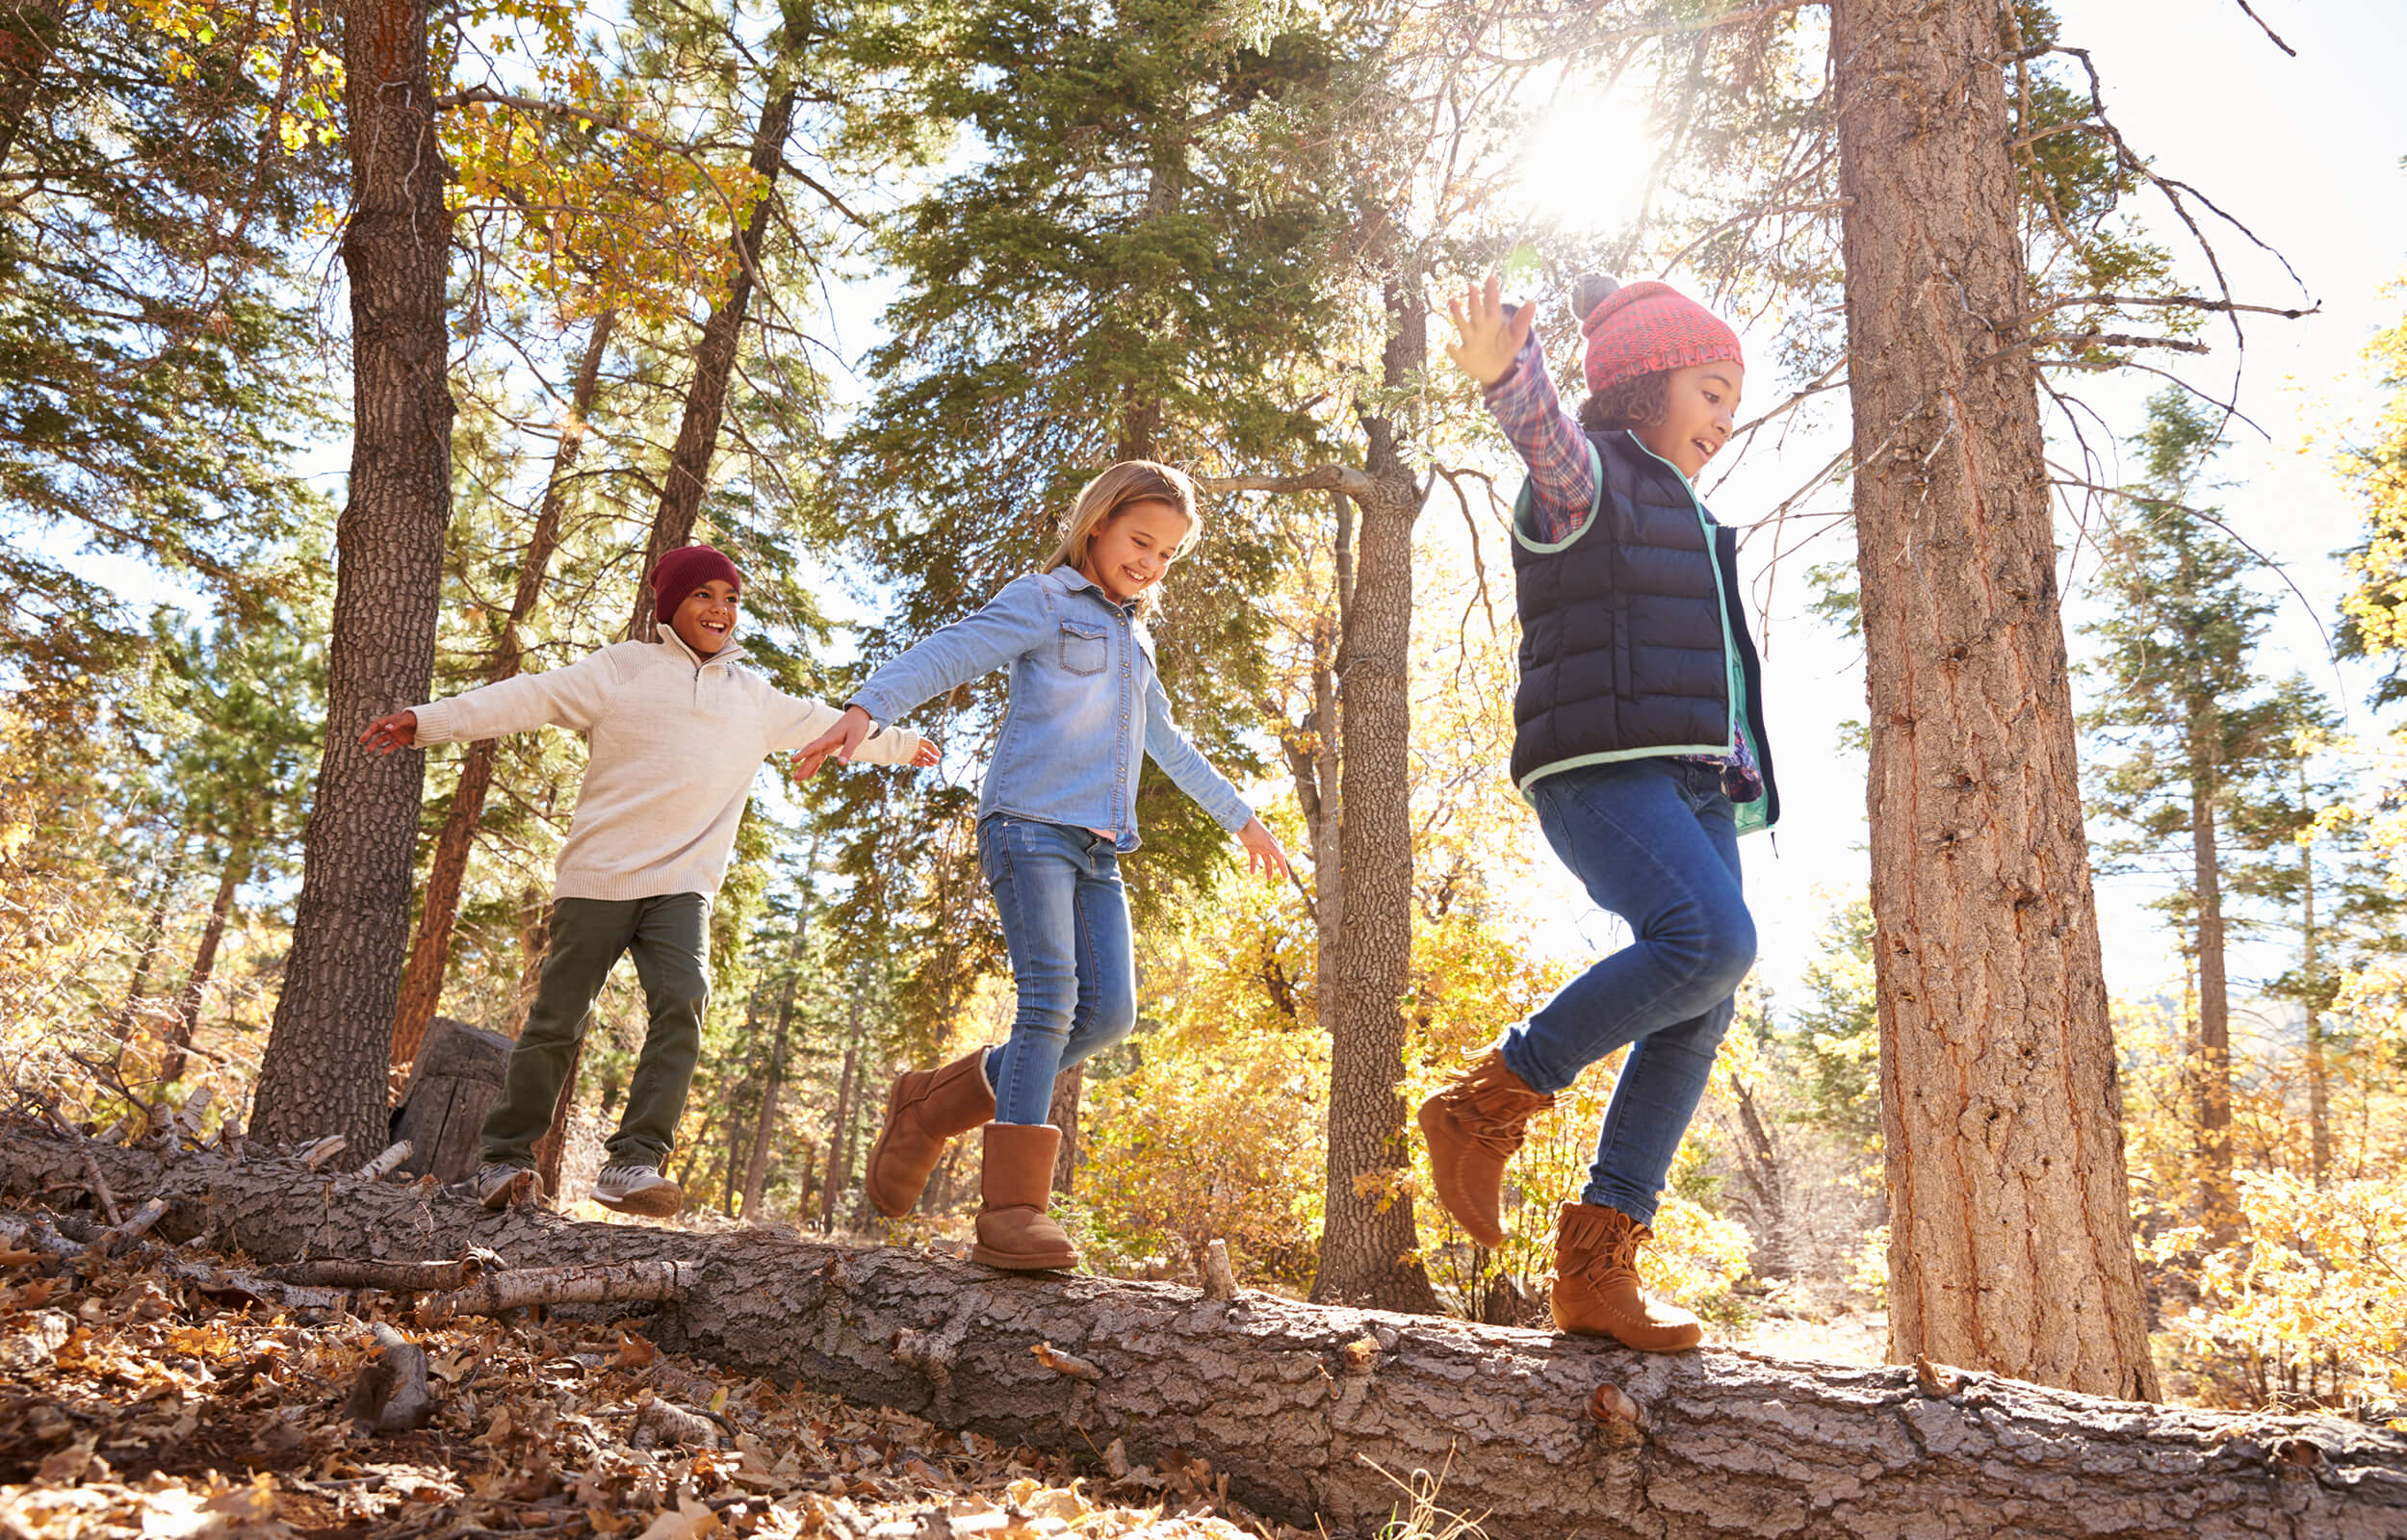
[1085, 646]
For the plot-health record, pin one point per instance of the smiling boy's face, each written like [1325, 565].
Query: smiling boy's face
[1701, 409]
[706, 617]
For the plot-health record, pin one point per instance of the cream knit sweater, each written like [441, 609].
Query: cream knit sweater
[674, 741]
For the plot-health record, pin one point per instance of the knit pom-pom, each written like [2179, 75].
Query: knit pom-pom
[1591, 290]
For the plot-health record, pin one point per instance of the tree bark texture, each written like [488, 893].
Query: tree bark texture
[1291, 1399]
[431, 951]
[2011, 1234]
[327, 1052]
[454, 1083]
[715, 363]
[1369, 1252]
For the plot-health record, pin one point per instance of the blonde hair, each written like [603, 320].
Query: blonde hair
[1103, 498]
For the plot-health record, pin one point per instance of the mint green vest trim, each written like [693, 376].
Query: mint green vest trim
[1595, 501]
[1580, 761]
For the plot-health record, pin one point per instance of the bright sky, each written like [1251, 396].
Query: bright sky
[2307, 153]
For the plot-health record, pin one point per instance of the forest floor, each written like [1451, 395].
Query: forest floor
[161, 1399]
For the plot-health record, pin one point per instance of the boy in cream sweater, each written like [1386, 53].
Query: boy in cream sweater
[677, 727]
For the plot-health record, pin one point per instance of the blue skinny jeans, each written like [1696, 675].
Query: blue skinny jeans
[1066, 924]
[1654, 841]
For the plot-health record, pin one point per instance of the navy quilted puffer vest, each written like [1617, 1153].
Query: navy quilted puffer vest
[1632, 630]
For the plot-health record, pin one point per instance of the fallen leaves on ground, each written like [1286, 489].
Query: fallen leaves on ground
[144, 1403]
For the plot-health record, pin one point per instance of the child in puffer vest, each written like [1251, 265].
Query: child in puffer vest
[678, 728]
[1639, 740]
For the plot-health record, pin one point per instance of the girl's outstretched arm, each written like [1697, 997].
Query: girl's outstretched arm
[1013, 621]
[1168, 747]
[1498, 348]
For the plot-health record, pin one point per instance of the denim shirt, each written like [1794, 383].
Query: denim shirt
[1085, 705]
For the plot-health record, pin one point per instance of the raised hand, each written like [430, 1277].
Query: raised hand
[386, 733]
[1264, 853]
[1487, 338]
[850, 731]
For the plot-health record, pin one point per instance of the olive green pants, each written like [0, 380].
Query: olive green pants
[670, 938]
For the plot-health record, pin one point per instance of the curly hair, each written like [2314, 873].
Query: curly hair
[1639, 401]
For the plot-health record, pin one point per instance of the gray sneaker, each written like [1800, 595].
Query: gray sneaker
[637, 1190]
[500, 1187]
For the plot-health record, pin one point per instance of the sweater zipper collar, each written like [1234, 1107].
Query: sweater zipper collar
[732, 652]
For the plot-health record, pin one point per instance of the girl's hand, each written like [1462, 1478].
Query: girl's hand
[1264, 853]
[386, 733]
[924, 757]
[850, 730]
[1490, 339]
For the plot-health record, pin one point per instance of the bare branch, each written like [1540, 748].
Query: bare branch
[2172, 302]
[2268, 31]
[1343, 478]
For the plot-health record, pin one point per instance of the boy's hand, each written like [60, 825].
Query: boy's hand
[386, 733]
[924, 757]
[850, 731]
[1489, 339]
[1264, 853]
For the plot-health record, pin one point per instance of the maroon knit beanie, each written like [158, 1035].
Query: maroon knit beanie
[1638, 328]
[685, 569]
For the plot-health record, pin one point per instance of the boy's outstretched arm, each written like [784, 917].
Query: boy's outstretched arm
[386, 733]
[800, 722]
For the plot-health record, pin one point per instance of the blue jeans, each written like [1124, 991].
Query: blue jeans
[1066, 924]
[1653, 841]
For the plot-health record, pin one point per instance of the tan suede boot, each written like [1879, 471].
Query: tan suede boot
[1017, 1183]
[1596, 1283]
[1473, 1128]
[926, 1107]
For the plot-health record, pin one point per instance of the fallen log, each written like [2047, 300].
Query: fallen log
[1538, 1435]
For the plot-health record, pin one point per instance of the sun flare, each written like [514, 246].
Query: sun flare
[1586, 161]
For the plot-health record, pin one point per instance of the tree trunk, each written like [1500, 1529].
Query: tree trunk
[1306, 1408]
[2319, 1075]
[715, 363]
[1062, 1112]
[430, 952]
[154, 933]
[757, 1169]
[550, 1151]
[2214, 1004]
[1369, 1252]
[204, 962]
[324, 1067]
[29, 34]
[2010, 1231]
[838, 1125]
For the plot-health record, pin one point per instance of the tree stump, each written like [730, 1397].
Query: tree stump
[454, 1083]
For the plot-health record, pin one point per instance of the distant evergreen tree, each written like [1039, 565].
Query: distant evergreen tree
[2183, 718]
[1129, 265]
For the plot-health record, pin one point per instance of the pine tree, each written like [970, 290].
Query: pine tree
[2181, 705]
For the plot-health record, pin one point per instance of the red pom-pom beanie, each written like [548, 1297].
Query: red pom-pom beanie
[685, 569]
[1638, 328]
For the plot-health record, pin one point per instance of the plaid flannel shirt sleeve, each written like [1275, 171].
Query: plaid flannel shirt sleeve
[1562, 483]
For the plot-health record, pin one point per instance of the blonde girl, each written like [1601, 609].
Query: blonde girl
[1056, 815]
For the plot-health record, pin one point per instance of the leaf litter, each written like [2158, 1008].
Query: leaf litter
[154, 1399]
